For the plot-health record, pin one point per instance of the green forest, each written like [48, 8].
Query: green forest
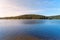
[32, 16]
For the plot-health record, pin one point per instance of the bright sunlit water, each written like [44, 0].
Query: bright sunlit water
[42, 29]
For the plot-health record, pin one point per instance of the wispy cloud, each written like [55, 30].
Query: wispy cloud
[19, 7]
[7, 9]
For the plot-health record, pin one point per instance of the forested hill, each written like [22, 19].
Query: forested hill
[27, 16]
[55, 17]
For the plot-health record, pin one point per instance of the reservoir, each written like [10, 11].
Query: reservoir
[29, 29]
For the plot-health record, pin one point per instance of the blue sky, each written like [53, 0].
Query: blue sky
[20, 7]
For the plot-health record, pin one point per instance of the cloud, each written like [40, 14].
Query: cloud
[7, 9]
[20, 7]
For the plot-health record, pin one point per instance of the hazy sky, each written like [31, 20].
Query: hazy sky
[19, 7]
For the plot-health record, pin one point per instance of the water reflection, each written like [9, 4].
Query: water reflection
[32, 22]
[29, 29]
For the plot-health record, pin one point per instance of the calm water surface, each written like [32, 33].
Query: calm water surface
[42, 29]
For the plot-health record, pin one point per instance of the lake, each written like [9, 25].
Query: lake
[29, 29]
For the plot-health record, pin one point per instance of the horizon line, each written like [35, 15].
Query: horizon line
[28, 14]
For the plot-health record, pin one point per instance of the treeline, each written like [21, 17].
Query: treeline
[30, 16]
[55, 17]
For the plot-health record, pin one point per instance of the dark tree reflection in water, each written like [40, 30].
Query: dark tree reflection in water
[29, 30]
